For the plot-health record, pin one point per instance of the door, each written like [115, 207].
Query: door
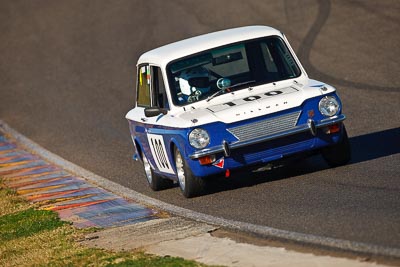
[151, 93]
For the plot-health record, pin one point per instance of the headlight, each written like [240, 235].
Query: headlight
[199, 138]
[328, 106]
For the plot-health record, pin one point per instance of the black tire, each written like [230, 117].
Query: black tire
[189, 184]
[155, 181]
[339, 154]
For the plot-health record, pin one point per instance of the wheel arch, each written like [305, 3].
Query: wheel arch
[174, 144]
[139, 149]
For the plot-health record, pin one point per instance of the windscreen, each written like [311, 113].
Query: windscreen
[237, 66]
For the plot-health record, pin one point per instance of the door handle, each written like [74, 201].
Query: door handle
[144, 119]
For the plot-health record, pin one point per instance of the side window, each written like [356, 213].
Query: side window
[160, 95]
[268, 59]
[278, 59]
[143, 86]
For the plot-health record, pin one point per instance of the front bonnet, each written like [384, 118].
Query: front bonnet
[248, 104]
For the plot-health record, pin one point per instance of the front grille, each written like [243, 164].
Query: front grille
[265, 127]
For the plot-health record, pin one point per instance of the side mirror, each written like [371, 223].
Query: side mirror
[154, 111]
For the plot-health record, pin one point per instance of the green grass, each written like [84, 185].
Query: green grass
[31, 237]
[26, 223]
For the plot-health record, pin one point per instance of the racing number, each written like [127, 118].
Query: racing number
[157, 148]
[252, 98]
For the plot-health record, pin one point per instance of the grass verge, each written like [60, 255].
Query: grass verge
[32, 237]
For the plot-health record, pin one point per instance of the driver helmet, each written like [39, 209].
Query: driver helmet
[194, 80]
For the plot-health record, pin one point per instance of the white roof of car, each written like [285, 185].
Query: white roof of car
[163, 55]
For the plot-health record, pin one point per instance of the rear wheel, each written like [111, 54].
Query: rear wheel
[338, 154]
[189, 184]
[156, 182]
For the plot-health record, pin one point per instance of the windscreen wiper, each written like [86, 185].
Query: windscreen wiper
[225, 89]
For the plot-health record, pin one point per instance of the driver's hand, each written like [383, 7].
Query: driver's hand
[194, 96]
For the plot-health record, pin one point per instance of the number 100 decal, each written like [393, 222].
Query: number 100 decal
[248, 99]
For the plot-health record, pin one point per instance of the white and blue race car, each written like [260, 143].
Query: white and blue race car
[226, 100]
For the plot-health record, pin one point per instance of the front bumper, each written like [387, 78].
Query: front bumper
[311, 126]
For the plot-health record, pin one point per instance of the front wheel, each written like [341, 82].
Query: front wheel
[155, 181]
[339, 154]
[189, 184]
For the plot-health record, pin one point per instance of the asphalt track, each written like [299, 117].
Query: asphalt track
[67, 76]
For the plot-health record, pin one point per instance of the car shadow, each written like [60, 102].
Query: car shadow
[375, 145]
[363, 148]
